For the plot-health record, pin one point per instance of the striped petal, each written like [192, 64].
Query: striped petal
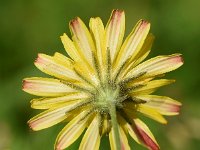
[98, 32]
[56, 66]
[85, 74]
[128, 128]
[142, 54]
[62, 59]
[91, 138]
[140, 133]
[157, 66]
[51, 117]
[106, 124]
[46, 103]
[123, 138]
[70, 48]
[164, 105]
[115, 32]
[133, 44]
[82, 40]
[145, 135]
[46, 87]
[150, 87]
[72, 131]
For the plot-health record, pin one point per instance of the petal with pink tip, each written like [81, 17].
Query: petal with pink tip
[115, 29]
[157, 66]
[145, 135]
[141, 133]
[133, 44]
[164, 105]
[83, 40]
[56, 67]
[142, 54]
[51, 117]
[46, 87]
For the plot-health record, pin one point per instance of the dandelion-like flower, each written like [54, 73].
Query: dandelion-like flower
[102, 86]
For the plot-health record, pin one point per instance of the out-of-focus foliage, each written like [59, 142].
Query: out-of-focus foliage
[30, 27]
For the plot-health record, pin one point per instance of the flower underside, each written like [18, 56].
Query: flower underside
[102, 86]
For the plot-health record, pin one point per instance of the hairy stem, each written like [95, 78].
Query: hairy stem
[115, 126]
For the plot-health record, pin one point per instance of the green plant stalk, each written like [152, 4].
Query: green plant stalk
[115, 126]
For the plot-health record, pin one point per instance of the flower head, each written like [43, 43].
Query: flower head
[103, 86]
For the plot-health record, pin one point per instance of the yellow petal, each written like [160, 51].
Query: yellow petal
[46, 103]
[106, 124]
[82, 40]
[123, 140]
[70, 48]
[151, 113]
[66, 61]
[164, 105]
[112, 140]
[50, 117]
[157, 66]
[132, 44]
[72, 131]
[86, 75]
[142, 54]
[98, 32]
[56, 67]
[128, 128]
[115, 32]
[150, 87]
[46, 87]
[91, 138]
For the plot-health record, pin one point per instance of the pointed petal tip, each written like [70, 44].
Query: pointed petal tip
[25, 84]
[144, 22]
[74, 21]
[179, 59]
[39, 59]
[31, 125]
[176, 109]
[151, 144]
[117, 11]
[57, 146]
[117, 14]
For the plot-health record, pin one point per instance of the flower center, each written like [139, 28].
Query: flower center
[106, 96]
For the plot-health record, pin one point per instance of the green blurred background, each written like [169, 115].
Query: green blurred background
[30, 27]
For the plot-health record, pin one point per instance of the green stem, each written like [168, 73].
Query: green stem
[115, 126]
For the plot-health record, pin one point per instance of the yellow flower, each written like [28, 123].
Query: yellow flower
[103, 86]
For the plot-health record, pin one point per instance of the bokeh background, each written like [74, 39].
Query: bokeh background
[30, 27]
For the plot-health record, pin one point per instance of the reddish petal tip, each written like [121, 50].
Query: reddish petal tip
[118, 11]
[177, 59]
[144, 23]
[38, 59]
[176, 108]
[24, 84]
[74, 21]
[146, 139]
